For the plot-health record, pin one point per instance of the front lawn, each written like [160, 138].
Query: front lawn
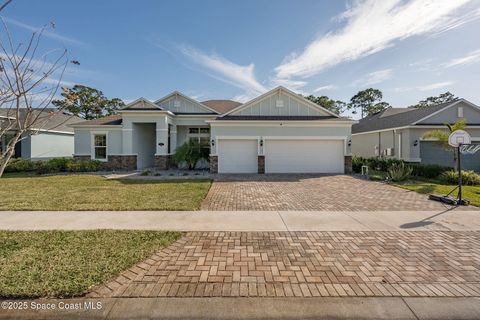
[471, 193]
[84, 192]
[68, 263]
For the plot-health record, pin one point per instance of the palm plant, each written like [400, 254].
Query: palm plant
[441, 136]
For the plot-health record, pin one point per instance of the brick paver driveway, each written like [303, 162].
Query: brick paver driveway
[308, 192]
[304, 264]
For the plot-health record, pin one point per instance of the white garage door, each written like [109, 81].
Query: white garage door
[237, 156]
[307, 156]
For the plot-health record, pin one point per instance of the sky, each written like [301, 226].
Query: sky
[209, 49]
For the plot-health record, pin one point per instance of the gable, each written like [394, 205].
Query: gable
[291, 105]
[177, 103]
[449, 115]
[141, 104]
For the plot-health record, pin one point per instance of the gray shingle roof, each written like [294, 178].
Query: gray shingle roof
[46, 119]
[112, 120]
[395, 117]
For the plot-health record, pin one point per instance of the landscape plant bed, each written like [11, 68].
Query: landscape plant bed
[472, 193]
[90, 192]
[69, 263]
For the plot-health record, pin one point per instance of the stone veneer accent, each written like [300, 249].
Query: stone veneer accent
[163, 162]
[213, 164]
[115, 162]
[348, 164]
[261, 164]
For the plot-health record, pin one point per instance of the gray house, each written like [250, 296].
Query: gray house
[52, 138]
[398, 133]
[279, 131]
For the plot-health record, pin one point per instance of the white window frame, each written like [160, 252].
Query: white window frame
[198, 135]
[92, 150]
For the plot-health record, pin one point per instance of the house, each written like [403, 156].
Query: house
[51, 137]
[279, 131]
[398, 133]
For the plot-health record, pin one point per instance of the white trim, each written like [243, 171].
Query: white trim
[399, 145]
[187, 98]
[92, 144]
[237, 137]
[280, 89]
[305, 138]
[275, 123]
[447, 107]
[52, 131]
[141, 112]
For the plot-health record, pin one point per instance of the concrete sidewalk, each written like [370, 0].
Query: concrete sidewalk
[457, 220]
[248, 308]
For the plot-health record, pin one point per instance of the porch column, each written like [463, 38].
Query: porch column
[161, 155]
[173, 138]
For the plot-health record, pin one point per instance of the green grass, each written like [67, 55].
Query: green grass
[85, 192]
[471, 193]
[69, 263]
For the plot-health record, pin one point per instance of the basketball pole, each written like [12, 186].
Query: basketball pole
[459, 175]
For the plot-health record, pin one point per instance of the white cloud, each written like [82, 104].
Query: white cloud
[428, 87]
[290, 84]
[323, 88]
[46, 32]
[470, 58]
[373, 78]
[371, 26]
[240, 76]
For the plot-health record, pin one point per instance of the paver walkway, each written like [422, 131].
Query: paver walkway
[305, 264]
[310, 193]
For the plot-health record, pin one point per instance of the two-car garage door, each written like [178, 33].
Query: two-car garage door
[282, 156]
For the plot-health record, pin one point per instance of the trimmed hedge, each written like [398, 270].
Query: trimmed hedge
[429, 171]
[53, 165]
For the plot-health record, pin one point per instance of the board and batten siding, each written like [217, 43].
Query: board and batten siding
[450, 115]
[292, 106]
[185, 105]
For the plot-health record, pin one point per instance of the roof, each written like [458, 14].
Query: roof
[396, 117]
[50, 119]
[141, 104]
[112, 120]
[281, 118]
[221, 106]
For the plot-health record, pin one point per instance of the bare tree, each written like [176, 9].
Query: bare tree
[29, 80]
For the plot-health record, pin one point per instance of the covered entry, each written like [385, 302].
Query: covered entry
[144, 144]
[304, 156]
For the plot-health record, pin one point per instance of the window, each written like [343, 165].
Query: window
[460, 112]
[200, 135]
[100, 146]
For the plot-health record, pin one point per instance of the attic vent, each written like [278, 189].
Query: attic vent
[279, 103]
[460, 112]
[176, 103]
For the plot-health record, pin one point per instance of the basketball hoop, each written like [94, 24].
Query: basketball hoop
[459, 137]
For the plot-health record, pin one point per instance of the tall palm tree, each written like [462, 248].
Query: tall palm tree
[441, 136]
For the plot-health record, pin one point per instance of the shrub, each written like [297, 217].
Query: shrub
[190, 153]
[53, 165]
[84, 166]
[357, 163]
[145, 172]
[468, 177]
[20, 165]
[429, 171]
[399, 172]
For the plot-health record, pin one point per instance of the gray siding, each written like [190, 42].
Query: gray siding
[185, 106]
[433, 153]
[363, 145]
[292, 106]
[450, 115]
[83, 141]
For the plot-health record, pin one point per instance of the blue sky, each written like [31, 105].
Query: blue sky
[239, 49]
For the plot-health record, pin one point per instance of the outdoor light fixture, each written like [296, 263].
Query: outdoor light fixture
[261, 142]
[350, 142]
[213, 143]
[161, 144]
[415, 143]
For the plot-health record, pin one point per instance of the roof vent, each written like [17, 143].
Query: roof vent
[279, 103]
[176, 103]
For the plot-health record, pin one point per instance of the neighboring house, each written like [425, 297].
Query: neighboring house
[279, 131]
[398, 133]
[51, 138]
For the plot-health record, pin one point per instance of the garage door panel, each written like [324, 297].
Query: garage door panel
[304, 156]
[237, 156]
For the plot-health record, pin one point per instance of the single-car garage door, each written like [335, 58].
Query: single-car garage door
[304, 156]
[237, 156]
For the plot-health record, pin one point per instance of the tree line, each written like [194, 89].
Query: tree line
[370, 101]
